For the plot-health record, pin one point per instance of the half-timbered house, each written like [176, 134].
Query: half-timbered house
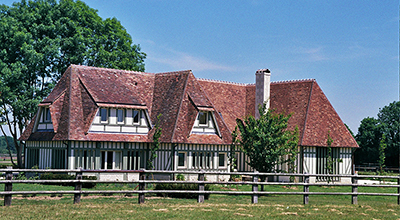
[98, 118]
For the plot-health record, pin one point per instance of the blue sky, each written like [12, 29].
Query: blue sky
[351, 47]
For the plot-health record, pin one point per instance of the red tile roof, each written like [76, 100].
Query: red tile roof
[178, 96]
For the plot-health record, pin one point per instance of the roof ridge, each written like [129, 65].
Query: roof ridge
[222, 81]
[252, 84]
[293, 81]
[173, 72]
[109, 69]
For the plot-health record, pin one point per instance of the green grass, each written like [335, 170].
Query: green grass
[217, 207]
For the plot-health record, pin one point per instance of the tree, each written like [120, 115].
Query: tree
[382, 156]
[7, 148]
[368, 138]
[39, 39]
[267, 141]
[370, 133]
[389, 119]
[155, 145]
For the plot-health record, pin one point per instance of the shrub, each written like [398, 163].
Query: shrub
[60, 176]
[185, 186]
[180, 177]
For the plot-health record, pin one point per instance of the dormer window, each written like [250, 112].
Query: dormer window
[120, 116]
[203, 119]
[44, 122]
[46, 115]
[121, 120]
[136, 117]
[103, 115]
[205, 123]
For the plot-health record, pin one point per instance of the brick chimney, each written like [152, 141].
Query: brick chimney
[263, 80]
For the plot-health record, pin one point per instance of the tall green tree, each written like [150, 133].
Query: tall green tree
[389, 119]
[267, 141]
[368, 138]
[39, 39]
[370, 133]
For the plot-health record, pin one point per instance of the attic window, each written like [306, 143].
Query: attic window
[136, 116]
[104, 114]
[46, 115]
[120, 116]
[203, 118]
[44, 120]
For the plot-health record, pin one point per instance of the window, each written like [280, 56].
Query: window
[221, 160]
[203, 119]
[104, 115]
[181, 159]
[120, 115]
[110, 160]
[205, 124]
[44, 120]
[136, 116]
[47, 115]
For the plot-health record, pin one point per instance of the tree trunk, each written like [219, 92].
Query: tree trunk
[262, 178]
[20, 148]
[8, 145]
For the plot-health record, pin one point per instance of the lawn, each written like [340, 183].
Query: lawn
[121, 206]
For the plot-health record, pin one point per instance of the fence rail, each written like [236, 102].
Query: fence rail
[255, 193]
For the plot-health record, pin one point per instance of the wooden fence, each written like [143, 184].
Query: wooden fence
[142, 181]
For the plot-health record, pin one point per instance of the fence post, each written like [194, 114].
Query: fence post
[8, 187]
[200, 199]
[354, 180]
[142, 186]
[254, 197]
[306, 189]
[78, 186]
[398, 190]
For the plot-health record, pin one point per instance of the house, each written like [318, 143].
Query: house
[97, 118]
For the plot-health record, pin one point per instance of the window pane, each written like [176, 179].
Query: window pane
[109, 160]
[117, 160]
[194, 160]
[201, 160]
[103, 114]
[208, 160]
[103, 160]
[136, 116]
[181, 159]
[120, 114]
[47, 115]
[202, 118]
[85, 159]
[221, 160]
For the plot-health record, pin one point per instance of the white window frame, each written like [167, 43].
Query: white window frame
[184, 159]
[207, 119]
[113, 165]
[225, 160]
